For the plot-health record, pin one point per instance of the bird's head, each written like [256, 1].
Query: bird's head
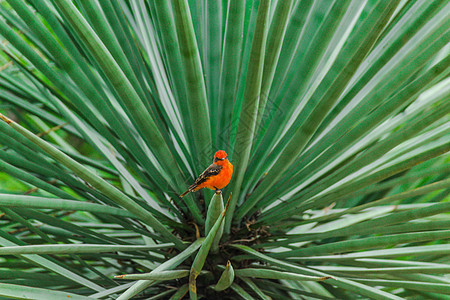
[220, 157]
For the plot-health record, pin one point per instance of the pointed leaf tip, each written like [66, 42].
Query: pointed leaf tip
[215, 210]
[226, 279]
[327, 277]
[227, 205]
[6, 119]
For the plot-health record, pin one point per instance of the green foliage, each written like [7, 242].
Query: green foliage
[334, 113]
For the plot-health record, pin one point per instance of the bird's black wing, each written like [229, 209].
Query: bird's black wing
[212, 170]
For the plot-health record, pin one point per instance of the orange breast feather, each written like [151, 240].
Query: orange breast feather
[220, 180]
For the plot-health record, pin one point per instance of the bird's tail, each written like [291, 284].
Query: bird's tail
[190, 189]
[185, 193]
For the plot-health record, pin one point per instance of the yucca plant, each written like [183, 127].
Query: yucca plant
[335, 115]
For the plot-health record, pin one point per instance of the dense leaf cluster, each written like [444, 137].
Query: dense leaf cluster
[334, 113]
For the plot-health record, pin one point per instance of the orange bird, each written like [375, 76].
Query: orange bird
[216, 176]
